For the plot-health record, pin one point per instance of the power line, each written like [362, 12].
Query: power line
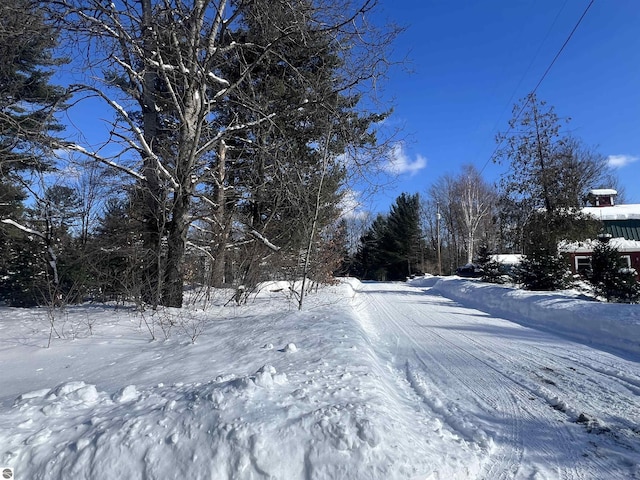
[533, 59]
[544, 75]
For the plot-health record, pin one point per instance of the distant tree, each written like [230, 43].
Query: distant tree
[115, 252]
[477, 199]
[429, 223]
[370, 261]
[391, 248]
[467, 206]
[548, 177]
[22, 277]
[491, 269]
[611, 277]
[402, 238]
[443, 205]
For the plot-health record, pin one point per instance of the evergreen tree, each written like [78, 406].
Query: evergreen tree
[22, 277]
[117, 253]
[550, 173]
[543, 270]
[28, 102]
[390, 250]
[401, 242]
[369, 261]
[610, 276]
[27, 99]
[491, 269]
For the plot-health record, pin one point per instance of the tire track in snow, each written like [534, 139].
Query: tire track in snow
[439, 361]
[611, 415]
[555, 377]
[449, 411]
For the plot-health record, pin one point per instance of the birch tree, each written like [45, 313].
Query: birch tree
[476, 202]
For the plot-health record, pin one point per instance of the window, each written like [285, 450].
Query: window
[626, 260]
[583, 264]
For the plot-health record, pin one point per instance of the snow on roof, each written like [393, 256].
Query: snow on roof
[615, 212]
[603, 191]
[620, 244]
[507, 259]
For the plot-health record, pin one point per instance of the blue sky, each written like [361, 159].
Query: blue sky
[471, 60]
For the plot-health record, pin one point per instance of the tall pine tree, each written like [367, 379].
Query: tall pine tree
[390, 250]
[28, 102]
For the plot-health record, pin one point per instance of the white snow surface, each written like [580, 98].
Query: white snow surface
[615, 212]
[587, 246]
[430, 379]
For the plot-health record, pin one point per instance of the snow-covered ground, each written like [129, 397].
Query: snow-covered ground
[432, 379]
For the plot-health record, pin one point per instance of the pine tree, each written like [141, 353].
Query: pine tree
[27, 99]
[117, 253]
[28, 102]
[543, 270]
[401, 243]
[610, 276]
[391, 247]
[491, 269]
[369, 262]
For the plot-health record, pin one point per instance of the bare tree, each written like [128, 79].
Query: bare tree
[466, 204]
[477, 200]
[550, 173]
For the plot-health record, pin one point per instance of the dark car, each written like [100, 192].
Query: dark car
[470, 270]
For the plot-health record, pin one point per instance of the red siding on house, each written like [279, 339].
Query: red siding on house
[633, 256]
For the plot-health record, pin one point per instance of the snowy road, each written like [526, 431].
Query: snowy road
[531, 404]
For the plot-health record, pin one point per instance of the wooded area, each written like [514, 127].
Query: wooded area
[233, 129]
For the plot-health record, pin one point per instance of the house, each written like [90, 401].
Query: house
[621, 229]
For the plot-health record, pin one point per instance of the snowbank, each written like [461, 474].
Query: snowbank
[265, 392]
[614, 326]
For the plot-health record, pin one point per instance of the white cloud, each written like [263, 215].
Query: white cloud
[399, 162]
[351, 206]
[619, 161]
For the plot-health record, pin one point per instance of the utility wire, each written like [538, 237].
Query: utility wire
[529, 96]
[533, 59]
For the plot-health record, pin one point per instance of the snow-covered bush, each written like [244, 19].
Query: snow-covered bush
[611, 278]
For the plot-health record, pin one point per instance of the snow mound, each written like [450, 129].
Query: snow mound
[290, 348]
[126, 394]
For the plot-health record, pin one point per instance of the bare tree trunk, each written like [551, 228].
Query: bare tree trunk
[223, 220]
[314, 224]
[151, 194]
[172, 293]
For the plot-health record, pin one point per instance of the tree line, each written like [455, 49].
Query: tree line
[232, 130]
[536, 205]
[231, 133]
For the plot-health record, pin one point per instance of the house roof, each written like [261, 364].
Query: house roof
[603, 191]
[507, 259]
[629, 229]
[615, 212]
[620, 244]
